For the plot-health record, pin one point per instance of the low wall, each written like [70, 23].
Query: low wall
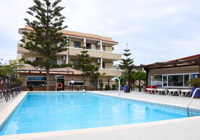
[52, 88]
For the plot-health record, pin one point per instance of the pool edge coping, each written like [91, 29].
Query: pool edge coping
[9, 110]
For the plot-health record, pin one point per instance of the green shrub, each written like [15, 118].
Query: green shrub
[107, 87]
[100, 86]
[18, 81]
[114, 87]
[194, 82]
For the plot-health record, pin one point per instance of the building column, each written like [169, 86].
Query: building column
[67, 57]
[147, 76]
[101, 46]
[101, 63]
[84, 42]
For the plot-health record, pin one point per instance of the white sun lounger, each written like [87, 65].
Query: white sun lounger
[151, 90]
[173, 91]
[188, 92]
[160, 90]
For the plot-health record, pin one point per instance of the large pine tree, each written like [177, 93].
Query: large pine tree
[84, 64]
[126, 63]
[46, 40]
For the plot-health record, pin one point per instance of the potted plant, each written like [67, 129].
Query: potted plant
[195, 83]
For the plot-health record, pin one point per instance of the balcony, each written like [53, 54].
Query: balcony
[95, 53]
[111, 72]
[74, 51]
[21, 50]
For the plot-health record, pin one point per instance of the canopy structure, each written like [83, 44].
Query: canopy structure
[183, 62]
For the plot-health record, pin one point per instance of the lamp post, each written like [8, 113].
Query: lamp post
[118, 84]
[72, 82]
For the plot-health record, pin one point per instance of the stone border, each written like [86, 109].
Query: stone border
[8, 111]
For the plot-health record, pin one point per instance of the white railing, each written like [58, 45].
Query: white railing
[191, 100]
[93, 50]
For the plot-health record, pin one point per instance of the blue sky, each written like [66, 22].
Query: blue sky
[155, 30]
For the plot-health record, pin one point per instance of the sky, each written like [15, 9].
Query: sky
[155, 30]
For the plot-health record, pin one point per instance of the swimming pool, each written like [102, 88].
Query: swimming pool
[43, 112]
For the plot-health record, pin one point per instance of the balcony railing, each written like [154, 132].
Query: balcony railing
[96, 53]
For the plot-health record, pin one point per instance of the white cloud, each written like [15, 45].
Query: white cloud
[155, 30]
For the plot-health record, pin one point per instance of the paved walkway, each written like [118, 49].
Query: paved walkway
[4, 104]
[166, 99]
[177, 129]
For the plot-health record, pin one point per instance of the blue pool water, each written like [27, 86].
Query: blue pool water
[66, 111]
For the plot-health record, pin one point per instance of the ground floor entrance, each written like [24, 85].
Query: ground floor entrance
[60, 82]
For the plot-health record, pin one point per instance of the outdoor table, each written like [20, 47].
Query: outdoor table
[186, 92]
[162, 89]
[173, 91]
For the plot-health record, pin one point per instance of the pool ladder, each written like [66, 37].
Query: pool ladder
[191, 101]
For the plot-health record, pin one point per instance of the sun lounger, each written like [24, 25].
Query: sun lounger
[161, 90]
[150, 90]
[188, 92]
[174, 91]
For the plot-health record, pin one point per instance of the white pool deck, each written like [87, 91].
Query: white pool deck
[177, 129]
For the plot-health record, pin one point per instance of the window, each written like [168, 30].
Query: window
[156, 80]
[76, 62]
[53, 61]
[186, 78]
[103, 65]
[164, 80]
[77, 44]
[100, 80]
[60, 77]
[175, 80]
[104, 48]
[31, 59]
[36, 80]
[194, 75]
[88, 46]
[39, 59]
[36, 83]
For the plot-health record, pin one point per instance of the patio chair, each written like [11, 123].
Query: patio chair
[5, 91]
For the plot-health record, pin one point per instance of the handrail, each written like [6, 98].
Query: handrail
[191, 100]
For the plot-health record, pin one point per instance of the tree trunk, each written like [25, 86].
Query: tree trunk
[47, 75]
[83, 81]
[89, 82]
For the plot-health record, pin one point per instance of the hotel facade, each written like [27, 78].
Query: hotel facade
[98, 47]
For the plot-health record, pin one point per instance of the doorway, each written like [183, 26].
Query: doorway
[60, 79]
